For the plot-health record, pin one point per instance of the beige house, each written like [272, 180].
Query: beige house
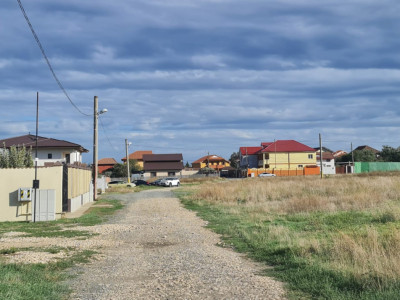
[138, 156]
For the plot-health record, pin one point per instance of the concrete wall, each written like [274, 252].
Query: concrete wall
[78, 187]
[12, 179]
[50, 178]
[328, 167]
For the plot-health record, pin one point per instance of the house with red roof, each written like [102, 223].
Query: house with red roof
[212, 161]
[279, 155]
[106, 164]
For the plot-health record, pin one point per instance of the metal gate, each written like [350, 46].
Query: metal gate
[45, 206]
[65, 206]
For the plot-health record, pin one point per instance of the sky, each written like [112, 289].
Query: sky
[204, 76]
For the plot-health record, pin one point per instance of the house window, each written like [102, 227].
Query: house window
[153, 174]
[68, 158]
[300, 166]
[50, 155]
[171, 173]
[310, 156]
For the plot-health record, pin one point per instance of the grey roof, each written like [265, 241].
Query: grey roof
[29, 140]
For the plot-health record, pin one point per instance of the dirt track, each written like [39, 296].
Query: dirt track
[162, 251]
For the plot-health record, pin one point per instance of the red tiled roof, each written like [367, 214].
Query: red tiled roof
[43, 142]
[138, 155]
[250, 150]
[107, 161]
[265, 144]
[211, 158]
[287, 146]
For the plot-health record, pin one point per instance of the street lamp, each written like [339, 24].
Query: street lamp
[127, 159]
[95, 143]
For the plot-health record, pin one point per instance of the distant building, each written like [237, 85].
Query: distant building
[328, 163]
[281, 154]
[212, 161]
[105, 164]
[49, 150]
[138, 156]
[156, 165]
[339, 153]
[248, 157]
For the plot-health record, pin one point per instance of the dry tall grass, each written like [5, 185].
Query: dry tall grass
[304, 194]
[369, 251]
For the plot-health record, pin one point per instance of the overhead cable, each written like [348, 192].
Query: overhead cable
[47, 60]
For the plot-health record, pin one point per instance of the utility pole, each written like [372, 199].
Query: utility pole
[36, 182]
[127, 160]
[352, 156]
[95, 142]
[320, 154]
[96, 114]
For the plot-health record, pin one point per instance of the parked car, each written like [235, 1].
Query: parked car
[266, 174]
[170, 181]
[117, 182]
[156, 182]
[141, 182]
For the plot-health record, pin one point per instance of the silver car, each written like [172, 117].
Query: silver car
[266, 174]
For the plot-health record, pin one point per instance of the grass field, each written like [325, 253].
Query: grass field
[331, 238]
[44, 280]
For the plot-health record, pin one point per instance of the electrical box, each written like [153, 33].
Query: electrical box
[25, 194]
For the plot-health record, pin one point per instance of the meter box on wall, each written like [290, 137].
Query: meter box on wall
[25, 194]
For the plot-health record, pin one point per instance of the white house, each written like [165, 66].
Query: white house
[49, 150]
[328, 162]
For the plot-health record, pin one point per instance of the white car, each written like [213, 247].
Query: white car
[170, 181]
[266, 174]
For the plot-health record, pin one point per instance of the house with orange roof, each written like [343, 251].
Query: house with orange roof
[138, 156]
[212, 161]
[105, 164]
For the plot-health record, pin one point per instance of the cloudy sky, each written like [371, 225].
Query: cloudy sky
[202, 76]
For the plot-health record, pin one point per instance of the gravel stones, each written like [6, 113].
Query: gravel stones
[156, 249]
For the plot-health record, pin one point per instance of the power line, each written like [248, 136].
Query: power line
[105, 133]
[47, 60]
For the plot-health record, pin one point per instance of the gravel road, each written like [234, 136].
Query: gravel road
[162, 251]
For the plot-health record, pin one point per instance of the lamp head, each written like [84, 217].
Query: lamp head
[104, 110]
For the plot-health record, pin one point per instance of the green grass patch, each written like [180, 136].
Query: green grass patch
[38, 281]
[298, 246]
[45, 281]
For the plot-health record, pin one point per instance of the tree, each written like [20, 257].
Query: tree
[187, 165]
[234, 160]
[15, 157]
[359, 155]
[119, 170]
[390, 154]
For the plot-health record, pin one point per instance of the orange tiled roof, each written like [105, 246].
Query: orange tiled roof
[138, 155]
[210, 158]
